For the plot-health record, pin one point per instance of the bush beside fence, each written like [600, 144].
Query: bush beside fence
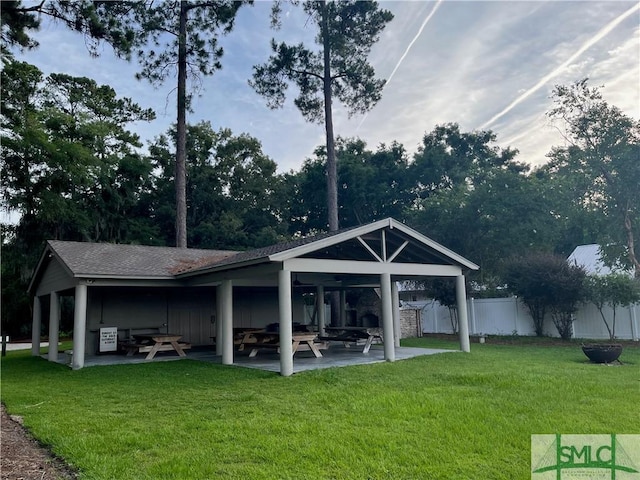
[508, 316]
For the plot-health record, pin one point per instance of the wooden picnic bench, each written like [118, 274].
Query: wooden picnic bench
[241, 336]
[156, 342]
[244, 336]
[300, 341]
[353, 335]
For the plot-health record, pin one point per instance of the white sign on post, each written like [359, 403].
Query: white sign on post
[108, 339]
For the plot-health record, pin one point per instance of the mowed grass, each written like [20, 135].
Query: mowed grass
[453, 415]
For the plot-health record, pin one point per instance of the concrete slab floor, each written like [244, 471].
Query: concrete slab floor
[334, 356]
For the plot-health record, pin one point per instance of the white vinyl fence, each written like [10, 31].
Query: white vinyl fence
[508, 316]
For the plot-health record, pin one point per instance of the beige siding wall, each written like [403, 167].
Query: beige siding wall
[125, 308]
[55, 279]
[190, 312]
[258, 307]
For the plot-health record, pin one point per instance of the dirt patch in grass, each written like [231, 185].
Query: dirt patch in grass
[23, 458]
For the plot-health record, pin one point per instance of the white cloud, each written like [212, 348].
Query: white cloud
[565, 64]
[471, 62]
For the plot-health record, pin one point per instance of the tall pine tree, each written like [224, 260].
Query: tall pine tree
[337, 69]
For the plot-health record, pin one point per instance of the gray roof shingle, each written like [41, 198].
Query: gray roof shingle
[120, 260]
[138, 261]
[264, 252]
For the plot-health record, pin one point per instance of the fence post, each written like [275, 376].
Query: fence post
[515, 308]
[634, 321]
[435, 317]
[472, 311]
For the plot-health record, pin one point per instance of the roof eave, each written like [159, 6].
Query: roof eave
[48, 252]
[462, 261]
[329, 241]
[36, 270]
[91, 276]
[364, 229]
[222, 268]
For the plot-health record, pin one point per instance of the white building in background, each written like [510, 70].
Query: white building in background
[590, 258]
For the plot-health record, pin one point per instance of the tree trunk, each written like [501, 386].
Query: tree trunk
[604, 319]
[631, 247]
[626, 216]
[181, 140]
[332, 170]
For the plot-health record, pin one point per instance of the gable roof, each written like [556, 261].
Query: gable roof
[321, 245]
[110, 260]
[263, 253]
[590, 258]
[367, 242]
[119, 260]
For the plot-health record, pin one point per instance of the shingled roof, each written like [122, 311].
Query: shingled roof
[109, 260]
[119, 260]
[276, 252]
[262, 253]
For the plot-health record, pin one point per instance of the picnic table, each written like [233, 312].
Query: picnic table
[156, 342]
[271, 340]
[348, 335]
[244, 336]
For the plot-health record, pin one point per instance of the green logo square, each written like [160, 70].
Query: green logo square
[592, 457]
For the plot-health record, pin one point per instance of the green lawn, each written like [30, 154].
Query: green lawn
[454, 416]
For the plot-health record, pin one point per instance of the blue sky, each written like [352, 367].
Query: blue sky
[484, 65]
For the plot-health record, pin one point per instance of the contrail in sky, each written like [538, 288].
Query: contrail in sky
[415, 39]
[596, 38]
[406, 52]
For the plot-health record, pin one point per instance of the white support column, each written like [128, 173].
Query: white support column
[219, 316]
[227, 321]
[54, 325]
[286, 323]
[463, 323]
[36, 326]
[387, 317]
[321, 311]
[343, 308]
[395, 304]
[79, 327]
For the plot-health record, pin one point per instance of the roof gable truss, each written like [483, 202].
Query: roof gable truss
[384, 245]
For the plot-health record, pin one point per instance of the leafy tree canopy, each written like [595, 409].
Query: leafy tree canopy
[234, 195]
[98, 21]
[70, 168]
[605, 151]
[373, 185]
[16, 23]
[346, 32]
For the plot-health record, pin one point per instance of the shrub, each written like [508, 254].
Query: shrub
[547, 283]
[615, 290]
